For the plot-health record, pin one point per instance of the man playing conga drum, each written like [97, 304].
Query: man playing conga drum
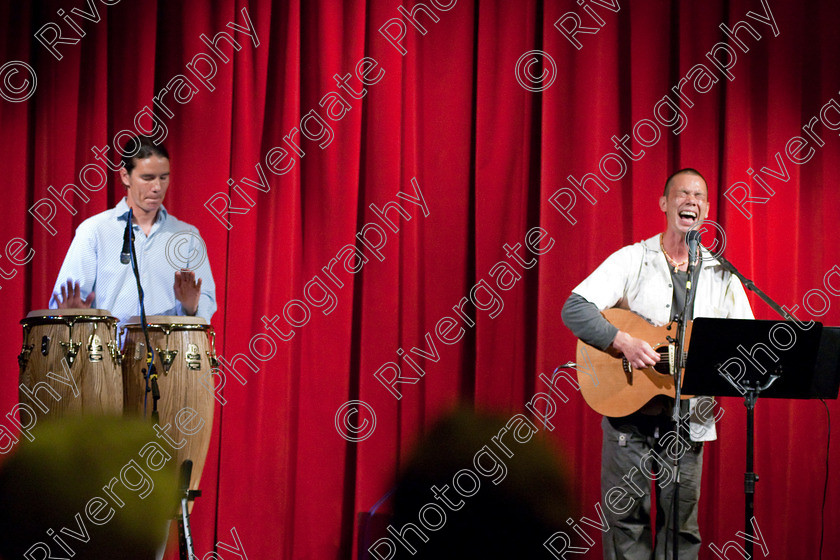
[93, 275]
[96, 274]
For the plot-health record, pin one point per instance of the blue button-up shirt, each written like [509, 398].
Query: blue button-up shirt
[93, 260]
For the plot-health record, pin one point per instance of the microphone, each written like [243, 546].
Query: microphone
[693, 239]
[125, 256]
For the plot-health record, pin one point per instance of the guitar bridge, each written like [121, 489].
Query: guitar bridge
[672, 359]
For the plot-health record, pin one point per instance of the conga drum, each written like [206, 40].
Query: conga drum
[184, 355]
[70, 362]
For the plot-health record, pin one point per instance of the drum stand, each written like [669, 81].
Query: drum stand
[185, 544]
[150, 372]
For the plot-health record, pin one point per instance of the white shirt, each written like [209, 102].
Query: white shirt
[93, 260]
[637, 277]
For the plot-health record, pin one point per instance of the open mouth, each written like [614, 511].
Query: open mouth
[688, 217]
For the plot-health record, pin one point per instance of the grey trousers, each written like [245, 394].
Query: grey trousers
[632, 456]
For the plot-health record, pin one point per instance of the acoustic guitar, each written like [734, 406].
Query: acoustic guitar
[610, 385]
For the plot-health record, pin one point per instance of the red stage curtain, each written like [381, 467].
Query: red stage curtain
[449, 119]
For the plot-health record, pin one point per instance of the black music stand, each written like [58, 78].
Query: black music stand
[744, 357]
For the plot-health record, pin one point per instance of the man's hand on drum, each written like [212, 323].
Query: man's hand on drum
[71, 297]
[187, 290]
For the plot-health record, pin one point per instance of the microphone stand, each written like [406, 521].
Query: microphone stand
[149, 372]
[676, 370]
[750, 285]
[752, 390]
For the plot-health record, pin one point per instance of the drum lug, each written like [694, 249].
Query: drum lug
[94, 347]
[214, 362]
[70, 350]
[45, 345]
[167, 357]
[23, 357]
[115, 352]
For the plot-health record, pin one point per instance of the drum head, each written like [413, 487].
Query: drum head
[167, 320]
[48, 314]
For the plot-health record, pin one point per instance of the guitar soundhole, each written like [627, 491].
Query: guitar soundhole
[663, 365]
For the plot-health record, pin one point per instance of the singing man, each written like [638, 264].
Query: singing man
[649, 278]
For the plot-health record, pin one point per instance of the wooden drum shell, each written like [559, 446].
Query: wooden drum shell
[189, 341]
[86, 341]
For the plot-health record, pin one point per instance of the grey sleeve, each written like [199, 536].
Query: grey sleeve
[586, 322]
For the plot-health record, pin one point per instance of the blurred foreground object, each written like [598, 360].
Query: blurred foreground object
[519, 501]
[89, 487]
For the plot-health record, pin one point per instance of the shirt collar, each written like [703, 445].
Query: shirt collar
[121, 212]
[708, 260]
